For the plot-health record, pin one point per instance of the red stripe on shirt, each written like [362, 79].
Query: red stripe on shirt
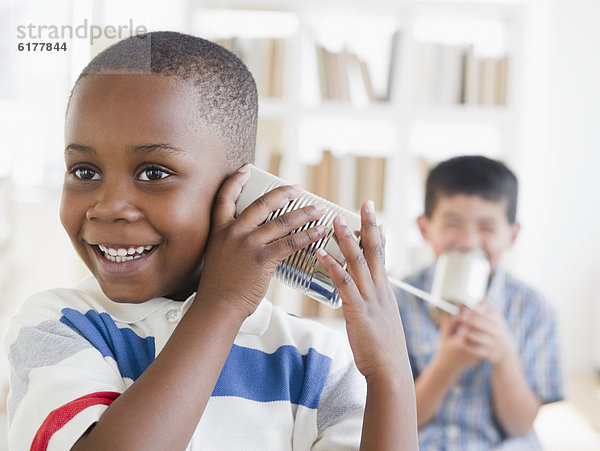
[61, 416]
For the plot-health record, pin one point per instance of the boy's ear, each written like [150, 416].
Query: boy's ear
[423, 223]
[514, 233]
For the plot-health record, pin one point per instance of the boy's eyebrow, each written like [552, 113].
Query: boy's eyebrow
[450, 215]
[78, 148]
[170, 148]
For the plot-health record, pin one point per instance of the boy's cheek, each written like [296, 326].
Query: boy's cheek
[442, 243]
[67, 217]
[494, 249]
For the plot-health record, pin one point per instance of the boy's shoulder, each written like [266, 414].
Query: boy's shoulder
[50, 303]
[522, 295]
[85, 296]
[46, 308]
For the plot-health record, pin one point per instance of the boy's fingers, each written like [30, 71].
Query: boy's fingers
[477, 339]
[449, 325]
[286, 246]
[224, 203]
[382, 236]
[285, 224]
[478, 321]
[259, 210]
[347, 289]
[371, 243]
[357, 266]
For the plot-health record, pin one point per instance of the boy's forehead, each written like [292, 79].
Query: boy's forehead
[470, 204]
[138, 108]
[125, 94]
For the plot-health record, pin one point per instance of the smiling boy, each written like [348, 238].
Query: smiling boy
[480, 377]
[170, 344]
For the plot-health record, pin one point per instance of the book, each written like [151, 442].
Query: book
[276, 72]
[348, 180]
[449, 74]
[470, 88]
[265, 59]
[426, 67]
[501, 81]
[359, 81]
[393, 65]
[366, 79]
[344, 76]
[322, 179]
[275, 162]
[370, 181]
[322, 62]
[487, 81]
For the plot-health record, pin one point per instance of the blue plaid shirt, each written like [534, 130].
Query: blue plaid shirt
[466, 420]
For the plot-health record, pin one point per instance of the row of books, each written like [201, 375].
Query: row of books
[446, 74]
[453, 74]
[345, 76]
[348, 180]
[265, 58]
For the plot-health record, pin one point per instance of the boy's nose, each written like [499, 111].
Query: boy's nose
[112, 205]
[468, 240]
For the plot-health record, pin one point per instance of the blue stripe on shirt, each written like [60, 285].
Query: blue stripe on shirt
[284, 375]
[132, 353]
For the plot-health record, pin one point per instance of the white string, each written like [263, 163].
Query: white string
[440, 303]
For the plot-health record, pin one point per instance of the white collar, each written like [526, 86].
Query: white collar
[256, 324]
[121, 311]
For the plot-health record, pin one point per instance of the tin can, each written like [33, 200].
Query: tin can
[301, 270]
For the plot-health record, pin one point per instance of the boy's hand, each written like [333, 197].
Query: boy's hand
[485, 333]
[375, 334]
[242, 253]
[452, 355]
[372, 318]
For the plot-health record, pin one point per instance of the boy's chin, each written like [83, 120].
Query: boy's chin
[124, 295]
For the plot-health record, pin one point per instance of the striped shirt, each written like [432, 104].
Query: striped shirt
[288, 383]
[466, 420]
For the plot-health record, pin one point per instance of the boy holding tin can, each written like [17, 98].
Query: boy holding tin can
[169, 344]
[481, 375]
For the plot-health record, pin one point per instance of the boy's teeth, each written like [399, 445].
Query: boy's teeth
[123, 254]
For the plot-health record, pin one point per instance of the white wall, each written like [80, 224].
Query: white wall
[560, 244]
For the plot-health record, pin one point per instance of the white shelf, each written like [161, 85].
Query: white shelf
[396, 128]
[486, 114]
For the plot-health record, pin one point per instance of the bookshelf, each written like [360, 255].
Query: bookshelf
[391, 86]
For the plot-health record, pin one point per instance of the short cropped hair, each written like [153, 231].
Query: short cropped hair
[472, 175]
[228, 99]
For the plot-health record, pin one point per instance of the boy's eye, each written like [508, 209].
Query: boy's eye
[149, 174]
[487, 229]
[86, 174]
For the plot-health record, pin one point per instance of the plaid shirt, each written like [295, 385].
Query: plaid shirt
[466, 420]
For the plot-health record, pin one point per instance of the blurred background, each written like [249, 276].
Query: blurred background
[358, 99]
